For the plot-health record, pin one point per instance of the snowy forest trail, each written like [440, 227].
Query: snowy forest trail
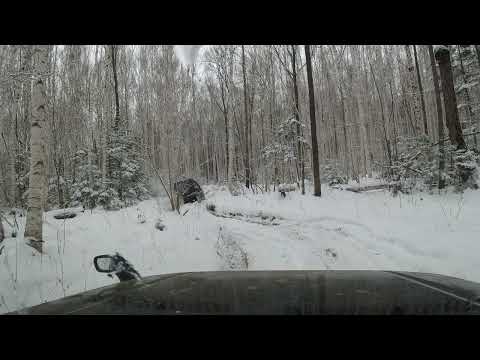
[323, 243]
[340, 230]
[372, 230]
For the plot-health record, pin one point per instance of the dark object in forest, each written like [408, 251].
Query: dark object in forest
[284, 188]
[188, 191]
[2, 232]
[211, 207]
[65, 215]
[159, 225]
[442, 56]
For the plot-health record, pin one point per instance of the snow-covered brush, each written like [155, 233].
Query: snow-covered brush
[140, 216]
[210, 206]
[13, 226]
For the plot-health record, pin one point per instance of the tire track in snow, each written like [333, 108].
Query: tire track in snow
[342, 244]
[375, 244]
[391, 241]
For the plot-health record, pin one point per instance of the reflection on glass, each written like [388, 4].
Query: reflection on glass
[105, 264]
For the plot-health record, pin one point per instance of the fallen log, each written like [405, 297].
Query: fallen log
[358, 189]
[65, 215]
[265, 220]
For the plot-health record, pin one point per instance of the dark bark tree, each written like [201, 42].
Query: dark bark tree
[115, 84]
[247, 131]
[420, 88]
[477, 51]
[414, 91]
[438, 101]
[442, 56]
[115, 163]
[313, 125]
[467, 94]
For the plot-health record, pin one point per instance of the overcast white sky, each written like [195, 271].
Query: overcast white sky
[187, 54]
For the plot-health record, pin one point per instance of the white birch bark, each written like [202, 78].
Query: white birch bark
[37, 179]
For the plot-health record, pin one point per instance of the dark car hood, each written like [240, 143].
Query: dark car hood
[276, 292]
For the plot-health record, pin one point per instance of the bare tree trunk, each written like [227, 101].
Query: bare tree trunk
[113, 49]
[442, 55]
[477, 51]
[384, 120]
[297, 118]
[313, 125]
[438, 101]
[272, 114]
[14, 145]
[413, 88]
[116, 123]
[227, 133]
[420, 87]
[27, 91]
[247, 157]
[231, 136]
[34, 223]
[360, 94]
[467, 97]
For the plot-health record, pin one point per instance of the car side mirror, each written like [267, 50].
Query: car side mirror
[104, 263]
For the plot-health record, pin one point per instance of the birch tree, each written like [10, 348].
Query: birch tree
[37, 183]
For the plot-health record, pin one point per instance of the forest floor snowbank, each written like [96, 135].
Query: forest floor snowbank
[340, 230]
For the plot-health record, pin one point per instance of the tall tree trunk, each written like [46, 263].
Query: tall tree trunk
[116, 123]
[225, 120]
[413, 89]
[301, 162]
[477, 51]
[26, 92]
[272, 114]
[467, 97]
[231, 136]
[247, 142]
[384, 120]
[34, 223]
[442, 55]
[113, 49]
[313, 125]
[360, 97]
[15, 141]
[57, 156]
[420, 87]
[438, 101]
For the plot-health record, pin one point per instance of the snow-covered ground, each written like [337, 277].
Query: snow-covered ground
[340, 230]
